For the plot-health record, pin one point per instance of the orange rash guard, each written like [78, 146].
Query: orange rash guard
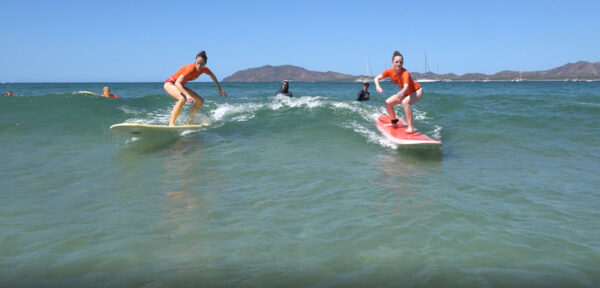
[401, 79]
[189, 72]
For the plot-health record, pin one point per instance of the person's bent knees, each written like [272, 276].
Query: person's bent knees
[406, 102]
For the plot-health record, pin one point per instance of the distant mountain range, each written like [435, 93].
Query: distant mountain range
[581, 70]
[270, 73]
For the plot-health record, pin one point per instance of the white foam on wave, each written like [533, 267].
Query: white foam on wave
[275, 106]
[368, 113]
[371, 135]
[159, 117]
[132, 140]
[588, 104]
[345, 106]
[248, 110]
[419, 115]
[243, 118]
[309, 102]
[128, 110]
[139, 121]
[437, 132]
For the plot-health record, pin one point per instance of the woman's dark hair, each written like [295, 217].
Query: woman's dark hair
[202, 55]
[396, 53]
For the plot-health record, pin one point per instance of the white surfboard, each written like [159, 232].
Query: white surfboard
[87, 92]
[139, 130]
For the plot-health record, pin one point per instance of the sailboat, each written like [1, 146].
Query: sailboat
[368, 77]
[520, 76]
[423, 80]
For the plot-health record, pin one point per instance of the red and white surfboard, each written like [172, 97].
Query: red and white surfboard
[397, 133]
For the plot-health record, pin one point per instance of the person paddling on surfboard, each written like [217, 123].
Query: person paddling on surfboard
[175, 87]
[410, 93]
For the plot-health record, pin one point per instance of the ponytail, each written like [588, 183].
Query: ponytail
[396, 53]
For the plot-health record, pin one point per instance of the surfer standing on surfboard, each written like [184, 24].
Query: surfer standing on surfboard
[175, 87]
[410, 93]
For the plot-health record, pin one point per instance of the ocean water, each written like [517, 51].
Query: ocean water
[303, 191]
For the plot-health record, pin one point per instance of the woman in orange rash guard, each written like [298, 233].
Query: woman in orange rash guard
[410, 93]
[175, 87]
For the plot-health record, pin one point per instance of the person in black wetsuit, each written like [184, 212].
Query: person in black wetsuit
[364, 95]
[284, 89]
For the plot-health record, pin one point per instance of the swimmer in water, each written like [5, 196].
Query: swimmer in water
[106, 93]
[285, 85]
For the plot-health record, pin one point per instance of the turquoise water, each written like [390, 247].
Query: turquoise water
[301, 191]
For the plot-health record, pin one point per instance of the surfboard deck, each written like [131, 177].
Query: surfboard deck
[151, 130]
[397, 133]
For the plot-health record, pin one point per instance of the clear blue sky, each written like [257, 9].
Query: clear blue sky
[121, 41]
